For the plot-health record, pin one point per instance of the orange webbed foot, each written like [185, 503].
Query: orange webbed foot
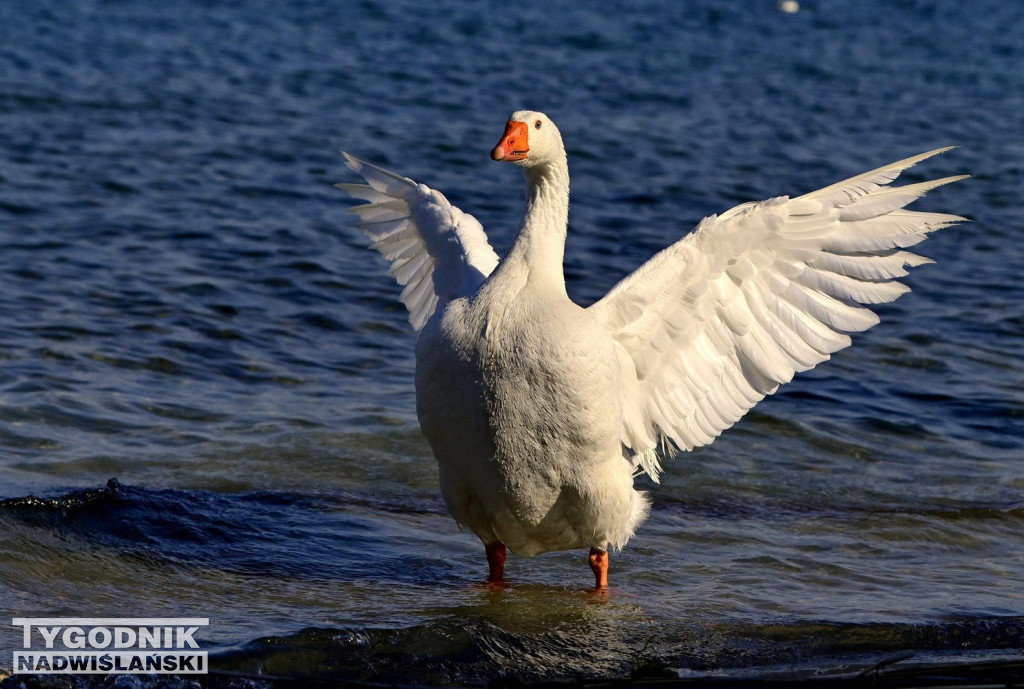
[599, 565]
[496, 563]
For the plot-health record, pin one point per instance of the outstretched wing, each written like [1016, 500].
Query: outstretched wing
[718, 320]
[436, 251]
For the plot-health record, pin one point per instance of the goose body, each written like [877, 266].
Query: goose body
[540, 412]
[518, 399]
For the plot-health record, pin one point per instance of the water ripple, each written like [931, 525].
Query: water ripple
[185, 307]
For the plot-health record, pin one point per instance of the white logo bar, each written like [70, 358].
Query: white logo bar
[111, 621]
[123, 645]
[133, 663]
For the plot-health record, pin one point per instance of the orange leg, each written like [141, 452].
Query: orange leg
[496, 562]
[599, 565]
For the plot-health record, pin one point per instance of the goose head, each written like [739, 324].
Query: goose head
[530, 139]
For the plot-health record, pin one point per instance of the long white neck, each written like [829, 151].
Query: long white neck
[540, 246]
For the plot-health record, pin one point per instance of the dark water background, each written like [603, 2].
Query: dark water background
[184, 307]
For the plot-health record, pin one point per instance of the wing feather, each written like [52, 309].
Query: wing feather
[437, 252]
[721, 318]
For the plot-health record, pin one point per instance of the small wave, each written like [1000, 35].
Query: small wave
[338, 536]
[471, 650]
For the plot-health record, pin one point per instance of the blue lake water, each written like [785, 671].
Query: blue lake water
[184, 307]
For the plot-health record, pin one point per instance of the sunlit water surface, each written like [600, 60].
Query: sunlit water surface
[184, 308]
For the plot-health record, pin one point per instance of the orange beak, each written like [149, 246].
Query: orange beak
[514, 144]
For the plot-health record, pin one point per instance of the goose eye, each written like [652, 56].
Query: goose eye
[536, 125]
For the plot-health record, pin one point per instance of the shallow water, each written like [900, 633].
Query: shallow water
[185, 309]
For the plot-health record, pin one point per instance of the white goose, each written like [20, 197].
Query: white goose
[541, 412]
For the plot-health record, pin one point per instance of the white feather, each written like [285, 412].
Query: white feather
[541, 413]
[436, 251]
[803, 266]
